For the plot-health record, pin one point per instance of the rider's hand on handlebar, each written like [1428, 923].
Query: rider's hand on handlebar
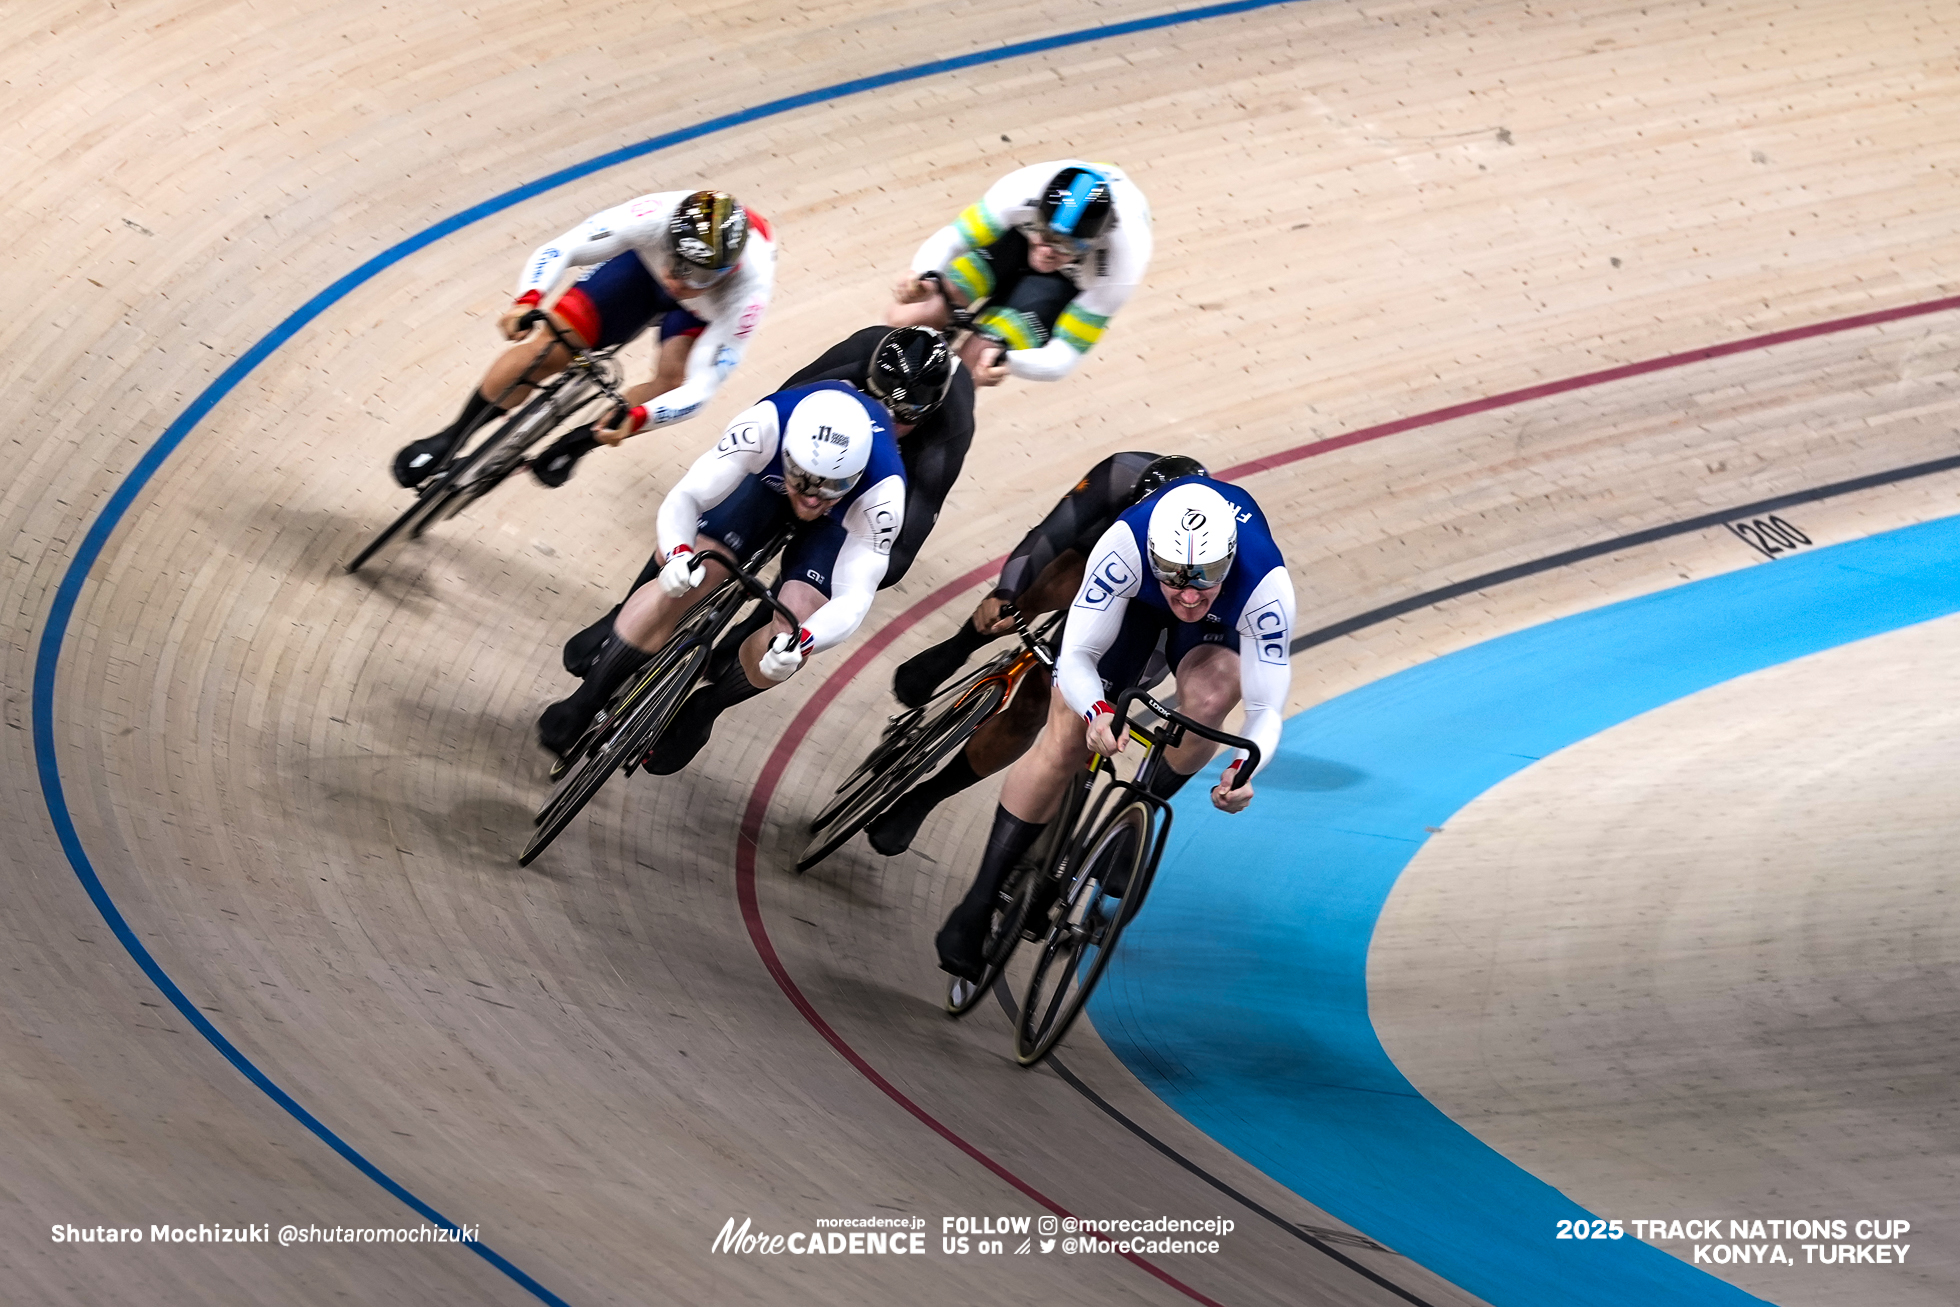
[682, 572]
[621, 423]
[783, 656]
[511, 323]
[991, 370]
[910, 289]
[1102, 735]
[1224, 797]
[991, 617]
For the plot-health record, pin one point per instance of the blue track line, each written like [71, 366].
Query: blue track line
[68, 591]
[1240, 996]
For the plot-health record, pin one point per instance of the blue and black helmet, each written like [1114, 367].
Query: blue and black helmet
[1076, 206]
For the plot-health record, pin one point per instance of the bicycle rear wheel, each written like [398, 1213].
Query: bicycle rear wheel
[1084, 930]
[938, 738]
[635, 725]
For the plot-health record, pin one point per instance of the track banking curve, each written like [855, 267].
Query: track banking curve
[129, 493]
[129, 490]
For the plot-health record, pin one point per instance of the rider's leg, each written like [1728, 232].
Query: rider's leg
[554, 465]
[500, 391]
[1039, 778]
[1207, 689]
[742, 679]
[646, 622]
[1034, 790]
[1000, 740]
[921, 675]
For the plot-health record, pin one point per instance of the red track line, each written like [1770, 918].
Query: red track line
[779, 758]
[1581, 382]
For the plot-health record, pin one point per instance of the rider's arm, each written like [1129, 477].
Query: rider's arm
[871, 524]
[746, 447]
[1113, 577]
[1265, 660]
[980, 224]
[598, 238]
[738, 311]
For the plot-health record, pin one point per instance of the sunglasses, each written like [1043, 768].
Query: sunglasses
[695, 277]
[800, 482]
[1190, 576]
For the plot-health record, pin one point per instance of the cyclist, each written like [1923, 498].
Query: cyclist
[1041, 575]
[1194, 564]
[821, 456]
[698, 265]
[915, 376]
[1044, 259]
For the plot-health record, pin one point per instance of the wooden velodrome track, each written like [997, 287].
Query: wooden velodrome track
[1702, 965]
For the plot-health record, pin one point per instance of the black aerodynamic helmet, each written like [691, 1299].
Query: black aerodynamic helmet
[705, 237]
[1076, 206]
[910, 372]
[1162, 471]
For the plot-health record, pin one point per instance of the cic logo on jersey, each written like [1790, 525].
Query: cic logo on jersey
[1111, 575]
[1267, 625]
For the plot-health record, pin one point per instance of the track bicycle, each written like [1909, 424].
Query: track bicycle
[1104, 861]
[631, 722]
[918, 740]
[466, 475]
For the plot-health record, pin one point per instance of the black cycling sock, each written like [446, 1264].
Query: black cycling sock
[1006, 843]
[617, 661]
[960, 940]
[692, 726]
[729, 688]
[472, 411]
[963, 641]
[955, 776]
[561, 724]
[893, 832]
[1167, 782]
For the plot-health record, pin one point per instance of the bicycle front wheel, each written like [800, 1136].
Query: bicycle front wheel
[937, 739]
[1083, 931]
[637, 724]
[416, 516]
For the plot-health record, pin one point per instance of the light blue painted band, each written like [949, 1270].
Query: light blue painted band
[1240, 994]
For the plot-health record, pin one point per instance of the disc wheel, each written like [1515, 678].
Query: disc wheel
[937, 739]
[633, 726]
[1084, 927]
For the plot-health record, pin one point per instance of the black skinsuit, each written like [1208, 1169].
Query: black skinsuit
[933, 451]
[1077, 521]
